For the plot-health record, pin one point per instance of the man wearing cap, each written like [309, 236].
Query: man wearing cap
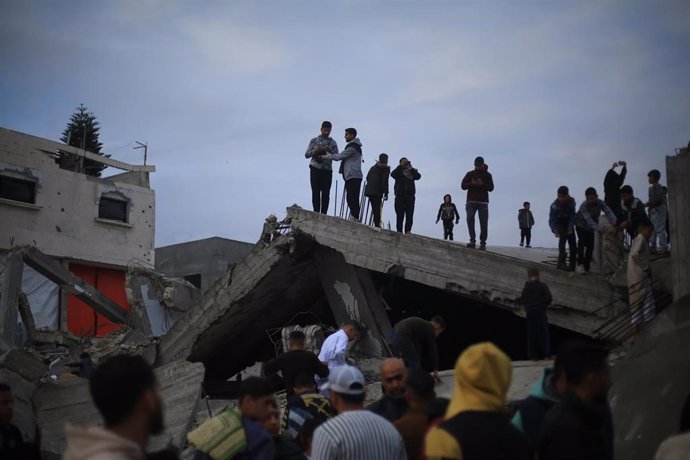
[376, 188]
[321, 170]
[478, 184]
[355, 433]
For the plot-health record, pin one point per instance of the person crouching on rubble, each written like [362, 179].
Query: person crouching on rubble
[237, 433]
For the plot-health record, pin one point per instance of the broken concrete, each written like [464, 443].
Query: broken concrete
[493, 278]
[164, 300]
[69, 401]
[329, 259]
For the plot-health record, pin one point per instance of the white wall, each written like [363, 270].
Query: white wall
[64, 223]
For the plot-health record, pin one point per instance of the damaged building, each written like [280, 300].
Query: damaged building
[312, 271]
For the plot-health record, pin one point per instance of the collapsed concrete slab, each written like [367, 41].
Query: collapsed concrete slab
[493, 278]
[325, 266]
[69, 401]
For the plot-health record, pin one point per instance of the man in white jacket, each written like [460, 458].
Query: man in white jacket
[126, 393]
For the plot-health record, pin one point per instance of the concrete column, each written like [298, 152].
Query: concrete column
[9, 302]
[678, 173]
[351, 295]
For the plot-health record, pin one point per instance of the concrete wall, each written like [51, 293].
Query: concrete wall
[64, 220]
[210, 257]
[678, 171]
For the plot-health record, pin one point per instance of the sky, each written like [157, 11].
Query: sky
[228, 94]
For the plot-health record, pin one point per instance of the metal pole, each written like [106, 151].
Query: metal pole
[143, 146]
[335, 208]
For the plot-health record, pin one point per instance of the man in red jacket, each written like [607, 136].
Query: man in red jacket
[478, 184]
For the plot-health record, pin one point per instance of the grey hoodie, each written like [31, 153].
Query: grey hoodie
[352, 160]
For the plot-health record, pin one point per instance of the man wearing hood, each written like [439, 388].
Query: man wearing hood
[126, 393]
[352, 169]
[377, 187]
[562, 224]
[475, 426]
[321, 171]
[478, 184]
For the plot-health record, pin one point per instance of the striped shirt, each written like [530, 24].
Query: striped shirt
[357, 435]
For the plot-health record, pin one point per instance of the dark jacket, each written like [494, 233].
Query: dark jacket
[389, 408]
[531, 411]
[612, 188]
[448, 211]
[301, 408]
[634, 213]
[404, 181]
[422, 333]
[287, 449]
[525, 218]
[478, 193]
[377, 180]
[562, 215]
[293, 363]
[536, 295]
[572, 430]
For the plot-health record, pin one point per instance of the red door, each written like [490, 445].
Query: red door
[83, 320]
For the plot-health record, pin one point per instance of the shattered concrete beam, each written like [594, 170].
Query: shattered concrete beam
[492, 278]
[84, 291]
[9, 300]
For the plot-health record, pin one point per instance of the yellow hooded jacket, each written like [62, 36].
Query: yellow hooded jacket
[482, 378]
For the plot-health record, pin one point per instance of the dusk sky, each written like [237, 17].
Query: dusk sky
[228, 94]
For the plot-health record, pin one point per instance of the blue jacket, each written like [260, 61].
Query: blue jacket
[562, 215]
[531, 410]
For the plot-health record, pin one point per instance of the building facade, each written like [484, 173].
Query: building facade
[96, 227]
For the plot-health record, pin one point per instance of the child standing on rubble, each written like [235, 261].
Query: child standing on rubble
[525, 222]
[447, 212]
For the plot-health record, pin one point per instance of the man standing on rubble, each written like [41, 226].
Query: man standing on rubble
[127, 394]
[478, 184]
[295, 362]
[334, 348]
[320, 170]
[405, 190]
[352, 169]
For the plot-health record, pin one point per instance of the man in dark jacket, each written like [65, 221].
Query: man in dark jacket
[613, 182]
[562, 224]
[12, 445]
[536, 297]
[295, 362]
[321, 171]
[478, 184]
[405, 190]
[377, 187]
[392, 404]
[632, 212]
[579, 427]
[413, 334]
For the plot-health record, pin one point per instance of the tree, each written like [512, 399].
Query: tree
[82, 132]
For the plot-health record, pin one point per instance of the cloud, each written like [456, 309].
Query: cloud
[233, 47]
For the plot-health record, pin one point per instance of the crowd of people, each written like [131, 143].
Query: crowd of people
[574, 226]
[565, 416]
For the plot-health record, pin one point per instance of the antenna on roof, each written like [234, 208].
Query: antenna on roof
[142, 146]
